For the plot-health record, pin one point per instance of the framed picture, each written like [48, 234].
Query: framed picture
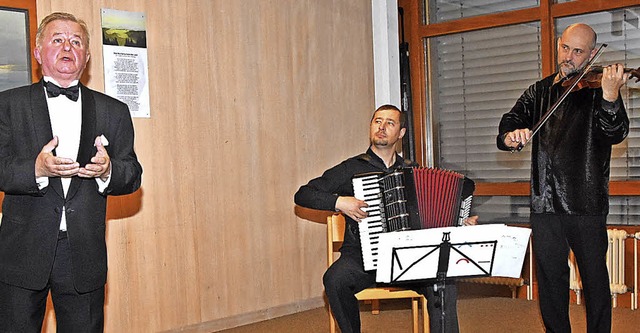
[17, 31]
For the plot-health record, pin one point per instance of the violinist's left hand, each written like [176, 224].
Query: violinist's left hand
[613, 77]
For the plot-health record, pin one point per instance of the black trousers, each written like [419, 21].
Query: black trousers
[22, 310]
[553, 235]
[346, 277]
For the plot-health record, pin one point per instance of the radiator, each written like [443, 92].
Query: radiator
[615, 266]
[615, 263]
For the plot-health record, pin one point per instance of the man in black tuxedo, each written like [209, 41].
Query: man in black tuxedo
[63, 149]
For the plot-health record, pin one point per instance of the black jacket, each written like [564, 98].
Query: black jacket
[31, 216]
[322, 192]
[571, 152]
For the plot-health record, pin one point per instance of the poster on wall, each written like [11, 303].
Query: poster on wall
[124, 48]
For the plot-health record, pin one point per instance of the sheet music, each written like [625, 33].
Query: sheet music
[490, 249]
[512, 248]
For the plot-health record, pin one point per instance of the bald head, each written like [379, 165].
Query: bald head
[584, 31]
[576, 46]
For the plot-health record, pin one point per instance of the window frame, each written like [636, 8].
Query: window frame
[30, 7]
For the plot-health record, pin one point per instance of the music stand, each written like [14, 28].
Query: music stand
[419, 262]
[422, 257]
[412, 255]
[444, 255]
[439, 287]
[430, 255]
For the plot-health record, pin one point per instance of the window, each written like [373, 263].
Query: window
[477, 76]
[476, 73]
[15, 59]
[18, 23]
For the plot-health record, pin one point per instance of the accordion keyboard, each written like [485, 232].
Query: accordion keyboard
[367, 188]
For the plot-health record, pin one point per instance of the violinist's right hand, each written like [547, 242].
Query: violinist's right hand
[516, 138]
[351, 207]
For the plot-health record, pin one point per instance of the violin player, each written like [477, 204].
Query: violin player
[570, 176]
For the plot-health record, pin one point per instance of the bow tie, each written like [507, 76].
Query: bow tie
[54, 91]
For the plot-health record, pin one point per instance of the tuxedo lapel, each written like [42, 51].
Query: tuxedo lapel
[40, 114]
[87, 136]
[42, 126]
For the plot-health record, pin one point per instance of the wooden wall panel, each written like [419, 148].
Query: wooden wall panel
[249, 100]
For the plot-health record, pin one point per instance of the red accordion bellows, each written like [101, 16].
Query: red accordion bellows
[438, 193]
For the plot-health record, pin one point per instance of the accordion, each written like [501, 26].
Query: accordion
[409, 199]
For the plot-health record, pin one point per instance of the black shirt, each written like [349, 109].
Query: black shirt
[323, 192]
[571, 154]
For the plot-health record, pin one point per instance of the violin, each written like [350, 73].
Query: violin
[593, 77]
[589, 76]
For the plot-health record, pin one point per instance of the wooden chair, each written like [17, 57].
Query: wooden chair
[335, 236]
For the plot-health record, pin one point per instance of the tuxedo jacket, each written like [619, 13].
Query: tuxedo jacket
[31, 216]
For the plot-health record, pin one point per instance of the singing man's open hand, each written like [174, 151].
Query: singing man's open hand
[100, 165]
[48, 165]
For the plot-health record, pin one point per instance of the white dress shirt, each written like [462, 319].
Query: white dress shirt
[66, 123]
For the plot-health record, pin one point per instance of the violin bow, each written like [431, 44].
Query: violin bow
[566, 93]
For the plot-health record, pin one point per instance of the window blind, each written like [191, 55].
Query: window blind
[444, 10]
[478, 77]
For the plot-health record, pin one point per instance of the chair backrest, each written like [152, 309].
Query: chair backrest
[335, 235]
